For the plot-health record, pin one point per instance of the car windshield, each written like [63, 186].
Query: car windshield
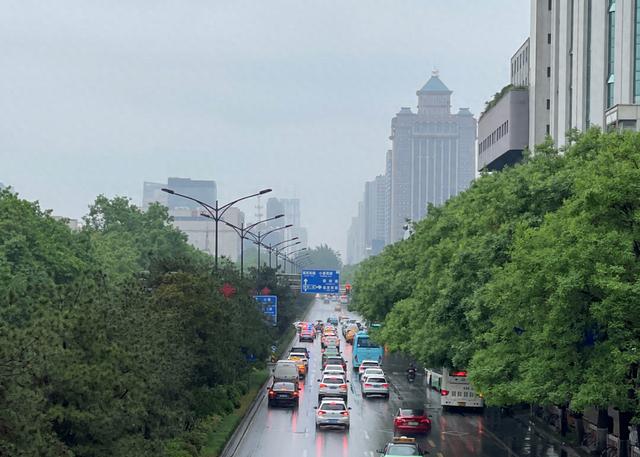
[402, 449]
[332, 380]
[334, 367]
[411, 412]
[334, 407]
[371, 379]
[284, 386]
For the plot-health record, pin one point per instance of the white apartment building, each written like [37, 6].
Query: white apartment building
[584, 66]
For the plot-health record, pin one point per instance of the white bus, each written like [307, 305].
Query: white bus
[454, 388]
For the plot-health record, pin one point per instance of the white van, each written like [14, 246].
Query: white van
[286, 370]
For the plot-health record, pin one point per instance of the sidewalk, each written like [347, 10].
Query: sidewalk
[510, 428]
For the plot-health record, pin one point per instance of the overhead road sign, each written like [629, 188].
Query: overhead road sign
[269, 307]
[320, 282]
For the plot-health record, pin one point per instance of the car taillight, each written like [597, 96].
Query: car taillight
[345, 413]
[322, 386]
[343, 386]
[444, 392]
[385, 385]
[321, 413]
[272, 393]
[295, 394]
[366, 384]
[425, 421]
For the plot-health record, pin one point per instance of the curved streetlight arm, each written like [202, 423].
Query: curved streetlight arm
[281, 249]
[237, 229]
[223, 209]
[206, 206]
[255, 224]
[285, 241]
[263, 236]
[299, 250]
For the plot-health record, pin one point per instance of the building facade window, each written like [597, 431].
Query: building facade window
[611, 78]
[636, 86]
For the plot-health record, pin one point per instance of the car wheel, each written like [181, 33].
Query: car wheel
[346, 427]
[270, 404]
[364, 395]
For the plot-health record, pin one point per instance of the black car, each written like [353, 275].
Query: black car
[283, 393]
[301, 349]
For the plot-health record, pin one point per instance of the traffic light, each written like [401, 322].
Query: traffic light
[347, 288]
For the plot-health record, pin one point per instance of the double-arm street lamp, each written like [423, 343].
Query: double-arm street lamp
[288, 257]
[286, 245]
[215, 212]
[259, 238]
[273, 247]
[244, 233]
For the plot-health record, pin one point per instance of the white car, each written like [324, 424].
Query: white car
[375, 385]
[332, 386]
[334, 369]
[332, 412]
[367, 364]
[371, 372]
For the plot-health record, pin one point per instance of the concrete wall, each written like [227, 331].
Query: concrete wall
[514, 108]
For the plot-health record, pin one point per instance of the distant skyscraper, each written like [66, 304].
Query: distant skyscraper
[186, 214]
[152, 193]
[290, 207]
[204, 191]
[433, 155]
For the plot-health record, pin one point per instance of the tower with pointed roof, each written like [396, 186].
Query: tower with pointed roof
[434, 99]
[432, 155]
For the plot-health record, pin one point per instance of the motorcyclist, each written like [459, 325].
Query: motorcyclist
[411, 371]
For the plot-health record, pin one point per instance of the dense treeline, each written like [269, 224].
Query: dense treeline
[530, 279]
[116, 340]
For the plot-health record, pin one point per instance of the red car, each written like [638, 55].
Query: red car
[307, 336]
[411, 420]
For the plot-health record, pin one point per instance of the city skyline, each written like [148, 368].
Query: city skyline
[102, 100]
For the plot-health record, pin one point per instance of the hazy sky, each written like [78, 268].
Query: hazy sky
[99, 96]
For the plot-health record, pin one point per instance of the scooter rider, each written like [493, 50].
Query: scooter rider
[411, 372]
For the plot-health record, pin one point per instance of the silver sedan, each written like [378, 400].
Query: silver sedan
[375, 385]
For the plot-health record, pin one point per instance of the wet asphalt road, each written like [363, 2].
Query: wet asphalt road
[285, 432]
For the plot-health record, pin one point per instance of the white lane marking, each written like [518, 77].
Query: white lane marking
[304, 453]
[366, 435]
[431, 443]
[440, 454]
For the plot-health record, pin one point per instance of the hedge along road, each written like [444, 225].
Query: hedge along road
[285, 432]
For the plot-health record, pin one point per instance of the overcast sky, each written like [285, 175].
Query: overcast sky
[98, 96]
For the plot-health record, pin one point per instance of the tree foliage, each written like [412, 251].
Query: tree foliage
[115, 340]
[529, 279]
[323, 258]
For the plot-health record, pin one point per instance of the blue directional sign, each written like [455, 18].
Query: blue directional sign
[320, 282]
[269, 307]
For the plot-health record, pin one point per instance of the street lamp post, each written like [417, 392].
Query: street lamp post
[281, 248]
[215, 212]
[259, 238]
[243, 233]
[272, 247]
[291, 254]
